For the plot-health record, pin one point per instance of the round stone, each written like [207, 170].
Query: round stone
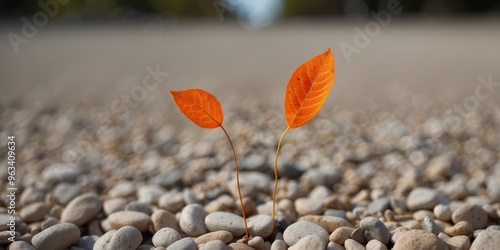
[341, 234]
[57, 237]
[221, 235]
[353, 245]
[34, 212]
[419, 239]
[139, 207]
[375, 245]
[184, 244]
[21, 245]
[487, 239]
[329, 223]
[82, 209]
[308, 206]
[473, 214]
[461, 228]
[165, 237]
[129, 218]
[301, 229]
[260, 225]
[127, 238]
[374, 229]
[442, 212]
[114, 205]
[161, 218]
[225, 221]
[214, 245]
[65, 192]
[192, 220]
[422, 198]
[309, 242]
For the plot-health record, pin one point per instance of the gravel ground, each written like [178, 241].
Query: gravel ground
[402, 168]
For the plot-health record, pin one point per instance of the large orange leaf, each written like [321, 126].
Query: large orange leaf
[199, 106]
[308, 89]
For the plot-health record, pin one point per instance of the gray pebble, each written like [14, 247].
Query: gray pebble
[351, 244]
[379, 205]
[430, 226]
[34, 212]
[358, 235]
[336, 213]
[150, 194]
[192, 220]
[171, 201]
[301, 229]
[260, 225]
[61, 173]
[122, 189]
[373, 228]
[21, 245]
[165, 237]
[138, 220]
[60, 236]
[422, 198]
[30, 195]
[214, 245]
[65, 192]
[114, 205]
[225, 221]
[183, 244]
[169, 178]
[139, 207]
[307, 206]
[82, 209]
[494, 189]
[86, 242]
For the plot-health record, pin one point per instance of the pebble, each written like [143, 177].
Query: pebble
[183, 244]
[65, 192]
[150, 194]
[256, 242]
[373, 228]
[60, 173]
[309, 242]
[192, 220]
[82, 209]
[214, 245]
[487, 239]
[419, 239]
[138, 220]
[21, 245]
[165, 237]
[308, 206]
[50, 221]
[442, 212]
[493, 190]
[379, 205]
[301, 229]
[86, 242]
[334, 246]
[422, 198]
[57, 237]
[351, 244]
[221, 235]
[240, 246]
[341, 234]
[171, 201]
[473, 214]
[461, 228]
[126, 238]
[329, 223]
[161, 218]
[225, 221]
[30, 195]
[375, 245]
[279, 245]
[139, 207]
[358, 235]
[114, 205]
[34, 212]
[122, 189]
[431, 226]
[260, 225]
[457, 243]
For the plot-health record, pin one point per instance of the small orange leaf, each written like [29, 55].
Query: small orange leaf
[308, 89]
[199, 106]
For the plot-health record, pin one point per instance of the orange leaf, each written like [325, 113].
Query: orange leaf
[308, 88]
[199, 106]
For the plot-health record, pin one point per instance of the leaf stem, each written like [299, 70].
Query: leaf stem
[276, 171]
[237, 182]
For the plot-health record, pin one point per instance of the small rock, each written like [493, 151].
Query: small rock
[161, 218]
[60, 236]
[473, 214]
[301, 229]
[61, 173]
[214, 245]
[183, 244]
[240, 246]
[307, 206]
[373, 228]
[260, 225]
[379, 205]
[34, 212]
[50, 221]
[225, 221]
[419, 239]
[165, 237]
[171, 201]
[150, 194]
[375, 245]
[21, 245]
[458, 242]
[431, 226]
[114, 205]
[341, 234]
[256, 242]
[86, 242]
[192, 220]
[397, 233]
[461, 228]
[129, 218]
[422, 198]
[122, 189]
[309, 242]
[65, 192]
[139, 207]
[351, 244]
[127, 237]
[279, 245]
[329, 223]
[442, 212]
[487, 239]
[82, 209]
[30, 195]
[494, 190]
[221, 235]
[358, 235]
